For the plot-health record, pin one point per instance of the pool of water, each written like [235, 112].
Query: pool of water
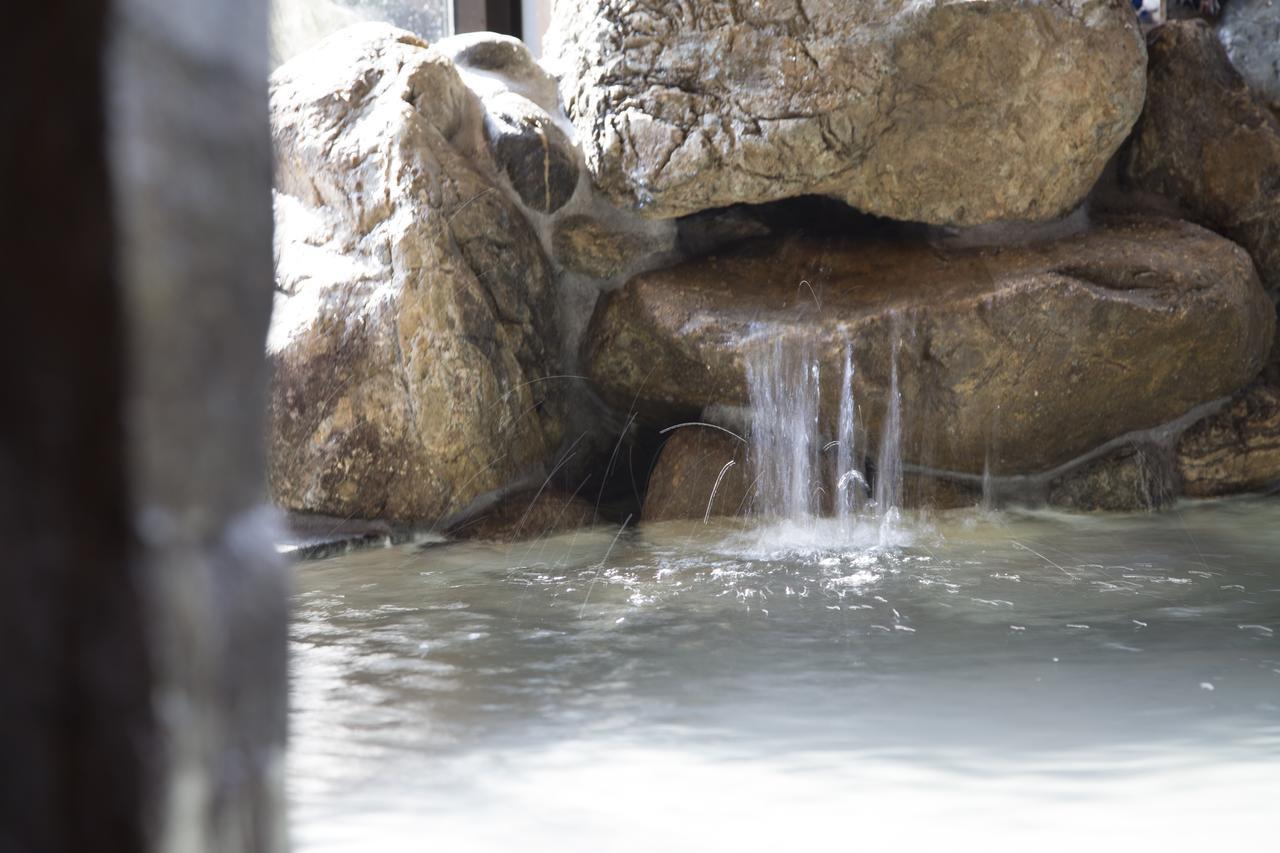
[991, 680]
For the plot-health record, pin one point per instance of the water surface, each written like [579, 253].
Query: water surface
[991, 681]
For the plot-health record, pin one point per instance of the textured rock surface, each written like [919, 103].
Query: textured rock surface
[1130, 478]
[1236, 450]
[586, 245]
[920, 491]
[1027, 356]
[923, 110]
[1250, 31]
[527, 514]
[415, 315]
[534, 154]
[683, 483]
[1207, 141]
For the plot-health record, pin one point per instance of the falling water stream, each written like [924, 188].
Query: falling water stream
[832, 673]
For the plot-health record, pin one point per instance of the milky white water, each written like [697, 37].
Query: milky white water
[988, 682]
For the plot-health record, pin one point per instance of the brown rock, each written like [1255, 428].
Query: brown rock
[1026, 356]
[922, 491]
[586, 245]
[1208, 141]
[694, 463]
[527, 514]
[921, 110]
[1236, 450]
[1128, 479]
[414, 311]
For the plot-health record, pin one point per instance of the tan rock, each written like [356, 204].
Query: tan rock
[586, 245]
[1209, 142]
[414, 314]
[1025, 357]
[701, 473]
[921, 110]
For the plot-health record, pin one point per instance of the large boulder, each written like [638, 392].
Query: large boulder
[1010, 361]
[1209, 142]
[414, 317]
[924, 110]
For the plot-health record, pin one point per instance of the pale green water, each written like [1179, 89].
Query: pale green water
[991, 682]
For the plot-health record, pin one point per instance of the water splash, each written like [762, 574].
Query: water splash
[783, 382]
[798, 480]
[889, 466]
[850, 481]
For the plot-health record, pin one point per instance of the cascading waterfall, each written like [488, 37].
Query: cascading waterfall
[794, 467]
[783, 382]
[889, 465]
[850, 488]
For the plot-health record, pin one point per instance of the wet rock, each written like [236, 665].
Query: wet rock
[1025, 356]
[1131, 478]
[317, 537]
[532, 152]
[939, 112]
[1208, 142]
[694, 463]
[414, 312]
[922, 491]
[586, 245]
[1237, 449]
[527, 514]
[1250, 32]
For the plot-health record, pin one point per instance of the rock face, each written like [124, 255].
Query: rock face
[414, 316]
[584, 244]
[922, 110]
[1207, 141]
[1236, 450]
[700, 473]
[1131, 478]
[1018, 358]
[1250, 31]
